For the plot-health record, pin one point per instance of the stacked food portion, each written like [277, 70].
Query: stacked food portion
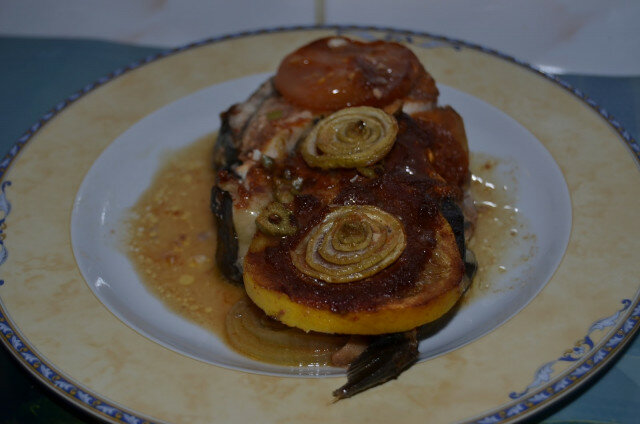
[339, 200]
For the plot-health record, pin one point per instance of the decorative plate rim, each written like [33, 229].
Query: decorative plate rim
[557, 387]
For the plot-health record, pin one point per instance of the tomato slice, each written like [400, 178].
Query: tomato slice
[336, 72]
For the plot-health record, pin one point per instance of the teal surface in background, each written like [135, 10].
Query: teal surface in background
[36, 74]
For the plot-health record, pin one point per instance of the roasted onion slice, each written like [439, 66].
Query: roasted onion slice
[350, 138]
[351, 243]
[254, 334]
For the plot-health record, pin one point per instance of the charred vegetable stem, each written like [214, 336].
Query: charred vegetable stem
[384, 359]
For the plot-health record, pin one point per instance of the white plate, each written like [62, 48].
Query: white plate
[77, 338]
[122, 173]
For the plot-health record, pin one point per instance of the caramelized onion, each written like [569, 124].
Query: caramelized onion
[351, 243]
[254, 334]
[350, 138]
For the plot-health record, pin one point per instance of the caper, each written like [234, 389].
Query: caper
[283, 190]
[267, 162]
[284, 196]
[297, 183]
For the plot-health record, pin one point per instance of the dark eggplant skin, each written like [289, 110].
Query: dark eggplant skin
[225, 158]
[227, 241]
[454, 216]
[225, 155]
[225, 152]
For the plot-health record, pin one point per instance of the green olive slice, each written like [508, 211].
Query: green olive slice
[350, 138]
[276, 220]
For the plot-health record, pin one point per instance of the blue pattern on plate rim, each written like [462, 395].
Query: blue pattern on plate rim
[577, 352]
[5, 209]
[52, 377]
[587, 363]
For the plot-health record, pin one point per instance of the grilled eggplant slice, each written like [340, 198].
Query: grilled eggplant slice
[372, 246]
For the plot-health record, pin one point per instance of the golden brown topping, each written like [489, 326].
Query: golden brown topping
[350, 138]
[350, 244]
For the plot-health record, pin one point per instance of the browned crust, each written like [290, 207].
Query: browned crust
[438, 276]
[438, 289]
